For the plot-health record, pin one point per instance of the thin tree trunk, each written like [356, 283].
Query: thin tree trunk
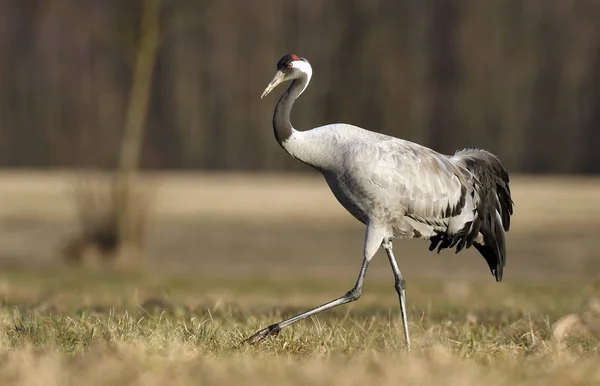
[137, 111]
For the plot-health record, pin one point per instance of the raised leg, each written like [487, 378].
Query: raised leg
[400, 286]
[350, 296]
[373, 238]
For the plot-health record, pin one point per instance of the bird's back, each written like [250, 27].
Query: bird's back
[384, 179]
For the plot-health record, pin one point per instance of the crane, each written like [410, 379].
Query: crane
[398, 189]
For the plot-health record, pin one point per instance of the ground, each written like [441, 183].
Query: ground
[228, 255]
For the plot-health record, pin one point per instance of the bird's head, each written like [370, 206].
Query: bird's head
[289, 67]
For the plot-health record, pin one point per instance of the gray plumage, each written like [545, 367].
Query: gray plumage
[398, 189]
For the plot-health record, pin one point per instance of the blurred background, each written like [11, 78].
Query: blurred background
[137, 126]
[521, 78]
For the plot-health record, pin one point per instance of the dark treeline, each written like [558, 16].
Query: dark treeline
[518, 77]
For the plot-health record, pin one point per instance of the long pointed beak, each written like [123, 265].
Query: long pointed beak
[278, 78]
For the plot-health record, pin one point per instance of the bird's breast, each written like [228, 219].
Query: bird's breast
[354, 196]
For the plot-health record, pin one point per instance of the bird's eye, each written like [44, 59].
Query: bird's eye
[290, 65]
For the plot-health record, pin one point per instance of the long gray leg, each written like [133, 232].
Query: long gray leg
[373, 239]
[350, 296]
[400, 286]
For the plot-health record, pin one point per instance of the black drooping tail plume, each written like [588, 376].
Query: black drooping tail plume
[493, 210]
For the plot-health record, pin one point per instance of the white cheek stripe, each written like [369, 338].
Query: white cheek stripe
[303, 66]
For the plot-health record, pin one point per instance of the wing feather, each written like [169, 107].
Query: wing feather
[426, 184]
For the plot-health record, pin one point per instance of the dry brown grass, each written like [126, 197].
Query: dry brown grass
[254, 249]
[177, 364]
[83, 327]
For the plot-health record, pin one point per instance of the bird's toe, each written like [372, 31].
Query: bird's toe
[259, 336]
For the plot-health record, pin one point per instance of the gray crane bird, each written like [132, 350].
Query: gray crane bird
[398, 189]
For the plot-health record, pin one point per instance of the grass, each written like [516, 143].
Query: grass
[65, 326]
[228, 255]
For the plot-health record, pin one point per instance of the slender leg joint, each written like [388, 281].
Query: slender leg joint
[400, 284]
[387, 244]
[353, 294]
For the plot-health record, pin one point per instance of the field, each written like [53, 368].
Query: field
[229, 254]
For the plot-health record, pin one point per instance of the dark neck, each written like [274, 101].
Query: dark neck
[282, 126]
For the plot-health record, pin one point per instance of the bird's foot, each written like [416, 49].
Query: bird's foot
[259, 336]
